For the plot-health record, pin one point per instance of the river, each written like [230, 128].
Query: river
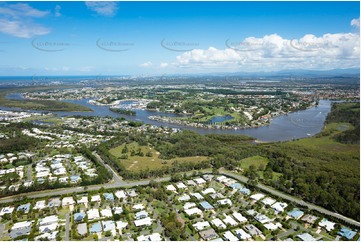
[294, 125]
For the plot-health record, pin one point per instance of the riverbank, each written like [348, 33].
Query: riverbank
[41, 105]
[172, 120]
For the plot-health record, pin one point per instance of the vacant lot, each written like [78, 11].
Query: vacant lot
[257, 161]
[137, 162]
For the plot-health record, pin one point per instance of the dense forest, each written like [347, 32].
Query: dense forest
[346, 113]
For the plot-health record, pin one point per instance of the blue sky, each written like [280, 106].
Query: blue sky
[150, 38]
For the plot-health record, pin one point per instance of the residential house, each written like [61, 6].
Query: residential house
[218, 223]
[328, 225]
[208, 234]
[109, 196]
[242, 235]
[143, 222]
[253, 230]
[229, 236]
[295, 213]
[239, 217]
[151, 237]
[229, 220]
[279, 207]
[141, 214]
[40, 205]
[82, 229]
[78, 217]
[201, 225]
[184, 197]
[20, 229]
[106, 213]
[206, 206]
[93, 214]
[95, 228]
[24, 208]
[306, 237]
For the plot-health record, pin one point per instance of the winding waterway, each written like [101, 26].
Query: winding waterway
[286, 127]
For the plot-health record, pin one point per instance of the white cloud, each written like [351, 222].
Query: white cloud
[22, 29]
[17, 20]
[57, 11]
[163, 64]
[146, 64]
[355, 22]
[273, 52]
[107, 9]
[19, 10]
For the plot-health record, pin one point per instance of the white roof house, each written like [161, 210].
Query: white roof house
[171, 188]
[208, 190]
[239, 217]
[40, 205]
[95, 198]
[93, 214]
[328, 225]
[189, 205]
[48, 227]
[201, 225]
[151, 237]
[243, 235]
[191, 183]
[229, 220]
[108, 225]
[67, 201]
[218, 223]
[6, 210]
[47, 224]
[21, 225]
[143, 222]
[48, 220]
[184, 197]
[197, 195]
[229, 236]
[120, 194]
[121, 225]
[117, 210]
[272, 226]
[106, 213]
[181, 185]
[268, 201]
[225, 201]
[257, 196]
[192, 211]
[199, 181]
[221, 178]
[279, 207]
[83, 200]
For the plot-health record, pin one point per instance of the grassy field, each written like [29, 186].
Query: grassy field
[257, 161]
[136, 163]
[253, 160]
[46, 105]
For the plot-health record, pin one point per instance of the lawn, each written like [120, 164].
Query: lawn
[253, 160]
[136, 162]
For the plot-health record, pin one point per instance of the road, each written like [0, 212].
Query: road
[118, 182]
